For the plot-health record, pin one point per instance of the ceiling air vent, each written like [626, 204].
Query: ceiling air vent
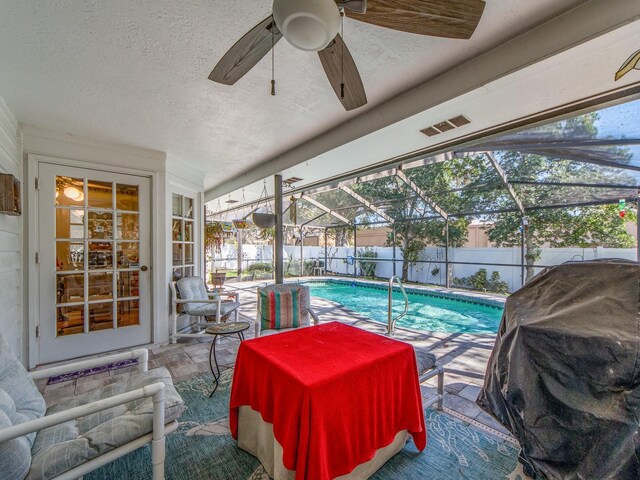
[445, 126]
[430, 131]
[459, 121]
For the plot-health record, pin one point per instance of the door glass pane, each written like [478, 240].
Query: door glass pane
[177, 274]
[188, 207]
[176, 230]
[100, 286]
[128, 313]
[128, 284]
[128, 226]
[100, 194]
[100, 255]
[100, 225]
[69, 223]
[188, 271]
[127, 197]
[188, 231]
[127, 254]
[70, 320]
[69, 191]
[188, 254]
[70, 288]
[177, 254]
[100, 316]
[176, 205]
[69, 255]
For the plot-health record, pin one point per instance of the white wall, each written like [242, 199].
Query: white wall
[11, 325]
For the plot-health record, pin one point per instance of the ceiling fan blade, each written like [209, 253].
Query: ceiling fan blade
[437, 18]
[246, 52]
[355, 6]
[343, 74]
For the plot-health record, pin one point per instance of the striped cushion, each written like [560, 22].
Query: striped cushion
[280, 309]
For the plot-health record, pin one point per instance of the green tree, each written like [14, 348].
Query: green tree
[416, 224]
[582, 226]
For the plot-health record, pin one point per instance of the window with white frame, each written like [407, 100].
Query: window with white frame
[182, 236]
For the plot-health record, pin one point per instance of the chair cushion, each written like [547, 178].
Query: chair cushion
[210, 309]
[62, 447]
[20, 401]
[192, 288]
[279, 309]
[424, 359]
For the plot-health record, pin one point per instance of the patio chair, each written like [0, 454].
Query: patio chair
[293, 301]
[191, 295]
[75, 435]
[428, 367]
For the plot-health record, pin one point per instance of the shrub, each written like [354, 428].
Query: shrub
[367, 269]
[479, 281]
[259, 267]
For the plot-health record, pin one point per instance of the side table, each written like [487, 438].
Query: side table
[220, 330]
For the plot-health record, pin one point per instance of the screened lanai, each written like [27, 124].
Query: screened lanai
[579, 168]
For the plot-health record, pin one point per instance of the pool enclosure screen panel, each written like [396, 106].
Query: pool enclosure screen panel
[564, 376]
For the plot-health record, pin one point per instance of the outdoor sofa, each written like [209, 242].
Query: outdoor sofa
[77, 434]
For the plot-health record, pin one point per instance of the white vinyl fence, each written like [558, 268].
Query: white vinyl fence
[430, 269]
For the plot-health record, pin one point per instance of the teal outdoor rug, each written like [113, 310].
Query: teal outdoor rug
[202, 447]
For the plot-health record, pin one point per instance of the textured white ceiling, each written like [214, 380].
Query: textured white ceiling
[136, 73]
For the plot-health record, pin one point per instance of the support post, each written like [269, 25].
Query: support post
[239, 250]
[278, 241]
[394, 249]
[447, 281]
[325, 251]
[355, 252]
[301, 251]
[522, 254]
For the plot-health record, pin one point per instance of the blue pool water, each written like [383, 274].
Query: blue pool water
[426, 312]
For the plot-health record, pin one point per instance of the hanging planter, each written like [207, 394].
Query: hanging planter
[242, 223]
[214, 235]
[264, 220]
[262, 217]
[225, 226]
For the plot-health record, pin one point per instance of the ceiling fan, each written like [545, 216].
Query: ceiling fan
[313, 25]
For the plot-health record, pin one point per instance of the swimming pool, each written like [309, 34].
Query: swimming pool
[426, 311]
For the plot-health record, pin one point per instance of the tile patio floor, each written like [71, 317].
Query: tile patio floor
[464, 357]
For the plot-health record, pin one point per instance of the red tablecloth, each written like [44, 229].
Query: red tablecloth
[334, 394]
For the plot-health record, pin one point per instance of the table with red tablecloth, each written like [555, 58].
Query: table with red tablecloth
[333, 394]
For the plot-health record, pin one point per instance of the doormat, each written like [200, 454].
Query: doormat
[92, 371]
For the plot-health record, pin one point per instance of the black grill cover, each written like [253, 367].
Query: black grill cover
[564, 374]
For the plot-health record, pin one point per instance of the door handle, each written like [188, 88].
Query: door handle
[144, 268]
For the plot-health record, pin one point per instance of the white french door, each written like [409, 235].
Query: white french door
[94, 278]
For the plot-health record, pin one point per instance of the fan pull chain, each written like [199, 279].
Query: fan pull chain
[342, 54]
[273, 62]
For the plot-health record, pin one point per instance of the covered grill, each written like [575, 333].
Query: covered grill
[564, 374]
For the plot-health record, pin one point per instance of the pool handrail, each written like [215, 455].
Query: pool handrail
[391, 322]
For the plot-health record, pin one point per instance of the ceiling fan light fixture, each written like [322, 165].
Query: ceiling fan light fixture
[308, 25]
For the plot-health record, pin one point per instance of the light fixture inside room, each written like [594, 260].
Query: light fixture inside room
[308, 25]
[74, 194]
